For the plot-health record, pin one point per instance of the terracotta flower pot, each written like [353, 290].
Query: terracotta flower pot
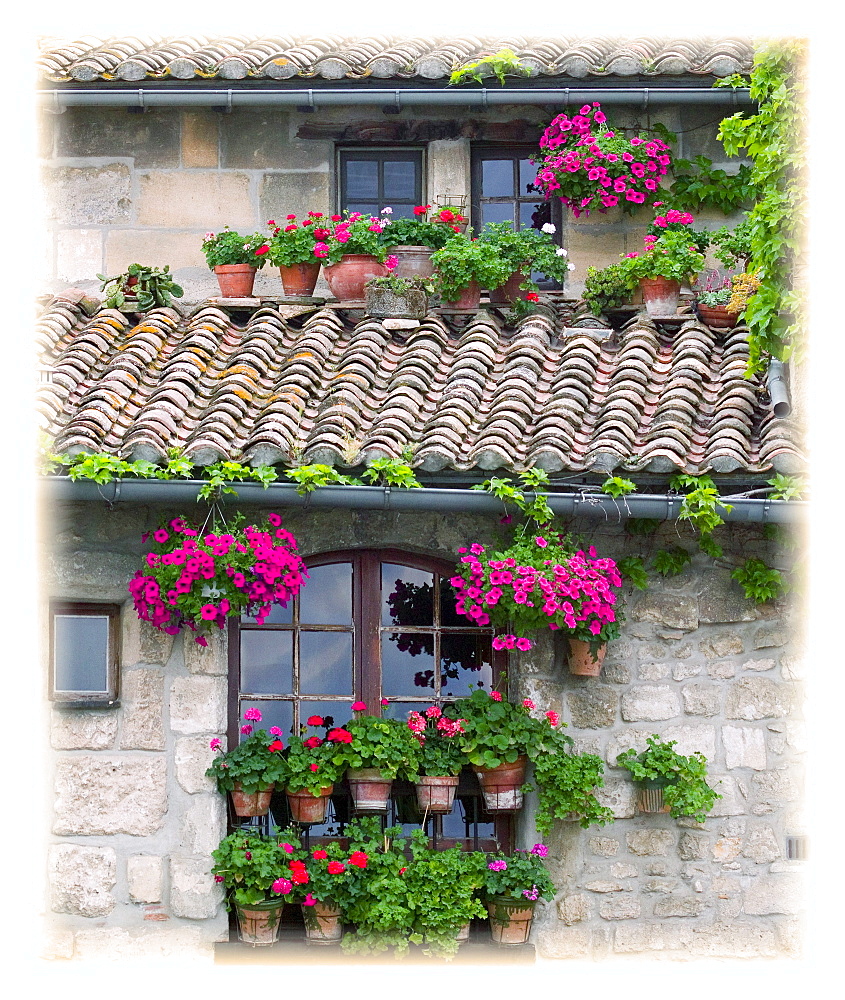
[436, 793]
[462, 933]
[650, 797]
[235, 280]
[307, 808]
[502, 785]
[717, 317]
[468, 299]
[581, 660]
[300, 279]
[258, 923]
[660, 295]
[322, 923]
[414, 261]
[250, 804]
[348, 276]
[510, 919]
[510, 291]
[370, 789]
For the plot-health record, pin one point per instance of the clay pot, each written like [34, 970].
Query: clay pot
[660, 295]
[300, 279]
[510, 919]
[581, 660]
[414, 261]
[250, 804]
[468, 299]
[235, 280]
[348, 276]
[370, 789]
[502, 785]
[650, 797]
[322, 923]
[462, 933]
[717, 317]
[436, 794]
[307, 808]
[258, 923]
[509, 292]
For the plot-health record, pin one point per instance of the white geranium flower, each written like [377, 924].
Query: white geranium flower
[561, 252]
[570, 267]
[549, 228]
[387, 211]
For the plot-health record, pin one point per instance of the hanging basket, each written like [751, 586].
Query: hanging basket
[510, 919]
[436, 794]
[258, 923]
[307, 808]
[250, 803]
[502, 786]
[650, 797]
[369, 788]
[582, 663]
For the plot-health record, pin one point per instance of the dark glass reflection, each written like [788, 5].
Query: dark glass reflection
[448, 614]
[273, 713]
[325, 662]
[400, 709]
[340, 712]
[497, 212]
[278, 615]
[402, 212]
[407, 663]
[266, 661]
[361, 179]
[464, 660]
[81, 645]
[400, 177]
[532, 216]
[497, 179]
[407, 596]
[527, 174]
[326, 599]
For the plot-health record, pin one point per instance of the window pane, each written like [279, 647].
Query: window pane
[365, 208]
[400, 709]
[361, 179]
[273, 713]
[407, 663]
[459, 822]
[497, 212]
[534, 216]
[400, 179]
[326, 598]
[448, 614]
[407, 596]
[325, 662]
[81, 644]
[497, 179]
[403, 211]
[464, 660]
[266, 662]
[527, 173]
[340, 713]
[278, 615]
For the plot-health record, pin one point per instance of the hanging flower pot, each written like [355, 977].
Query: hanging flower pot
[660, 296]
[369, 788]
[300, 279]
[307, 808]
[235, 280]
[436, 794]
[510, 919]
[322, 923]
[502, 786]
[582, 662]
[650, 797]
[350, 274]
[469, 298]
[250, 803]
[258, 923]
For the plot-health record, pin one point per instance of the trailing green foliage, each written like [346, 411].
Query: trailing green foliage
[670, 562]
[501, 62]
[566, 784]
[642, 525]
[698, 186]
[221, 473]
[633, 570]
[536, 508]
[786, 487]
[309, 477]
[760, 582]
[709, 546]
[617, 487]
[700, 502]
[685, 791]
[390, 472]
[248, 864]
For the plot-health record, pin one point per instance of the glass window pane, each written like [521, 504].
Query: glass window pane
[403, 211]
[527, 173]
[448, 615]
[278, 615]
[497, 212]
[533, 215]
[497, 179]
[273, 713]
[364, 207]
[400, 709]
[361, 179]
[81, 644]
[325, 662]
[464, 660]
[459, 822]
[400, 179]
[340, 713]
[407, 663]
[326, 598]
[266, 662]
[407, 596]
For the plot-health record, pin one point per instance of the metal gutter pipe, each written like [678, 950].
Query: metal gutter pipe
[395, 98]
[776, 384]
[446, 501]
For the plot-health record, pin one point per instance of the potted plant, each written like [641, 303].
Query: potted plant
[374, 750]
[352, 252]
[513, 884]
[310, 773]
[235, 259]
[711, 302]
[437, 759]
[463, 266]
[196, 579]
[525, 250]
[590, 165]
[664, 263]
[668, 781]
[412, 241]
[140, 288]
[607, 288]
[256, 874]
[250, 771]
[448, 215]
[395, 296]
[327, 890]
[291, 250]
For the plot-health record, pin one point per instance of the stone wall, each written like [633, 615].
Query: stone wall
[124, 186]
[135, 818]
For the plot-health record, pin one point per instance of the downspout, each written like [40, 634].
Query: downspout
[445, 501]
[776, 384]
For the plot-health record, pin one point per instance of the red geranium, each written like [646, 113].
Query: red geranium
[358, 858]
[319, 854]
[336, 867]
[276, 745]
[339, 736]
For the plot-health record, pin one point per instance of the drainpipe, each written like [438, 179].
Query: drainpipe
[445, 501]
[776, 384]
[141, 98]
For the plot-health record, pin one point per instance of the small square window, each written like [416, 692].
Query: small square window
[84, 642]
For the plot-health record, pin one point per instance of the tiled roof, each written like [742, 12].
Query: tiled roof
[322, 388]
[330, 57]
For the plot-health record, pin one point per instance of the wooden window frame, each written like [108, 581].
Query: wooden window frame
[415, 152]
[108, 698]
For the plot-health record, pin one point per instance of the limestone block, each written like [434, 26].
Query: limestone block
[591, 246]
[726, 848]
[619, 795]
[88, 196]
[680, 906]
[787, 735]
[692, 846]
[616, 673]
[260, 139]
[790, 937]
[82, 729]
[721, 670]
[604, 885]
[294, 192]
[202, 200]
[110, 794]
[722, 600]
[199, 138]
[604, 847]
[86, 575]
[734, 800]
[204, 824]
[151, 139]
[198, 704]
[793, 668]
[142, 643]
[771, 634]
[692, 739]
[650, 703]
[81, 879]
[573, 909]
[554, 942]
[662, 937]
[193, 758]
[593, 706]
[756, 698]
[650, 842]
[193, 891]
[683, 671]
[57, 944]
[717, 646]
[781, 893]
[620, 870]
[142, 698]
[653, 671]
[126, 245]
[619, 908]
[745, 746]
[144, 874]
[762, 846]
[777, 786]
[629, 738]
[702, 699]
[114, 944]
[211, 659]
[758, 665]
[448, 168]
[79, 254]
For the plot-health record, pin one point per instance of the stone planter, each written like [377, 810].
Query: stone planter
[436, 794]
[502, 786]
[250, 804]
[258, 923]
[235, 280]
[510, 919]
[350, 274]
[410, 304]
[581, 660]
[660, 296]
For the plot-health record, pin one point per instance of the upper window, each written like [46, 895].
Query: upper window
[373, 179]
[84, 653]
